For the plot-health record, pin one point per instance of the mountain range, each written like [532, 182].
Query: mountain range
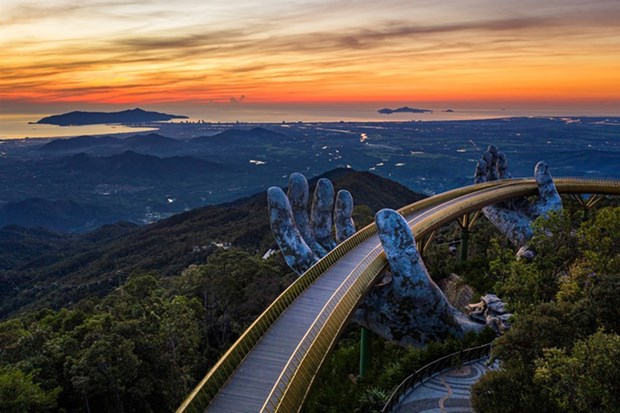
[151, 143]
[149, 176]
[47, 269]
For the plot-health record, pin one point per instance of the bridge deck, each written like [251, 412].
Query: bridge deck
[252, 382]
[249, 387]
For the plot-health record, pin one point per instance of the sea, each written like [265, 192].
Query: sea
[17, 126]
[21, 126]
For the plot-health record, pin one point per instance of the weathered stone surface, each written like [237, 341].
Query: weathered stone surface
[296, 252]
[302, 240]
[491, 156]
[480, 175]
[494, 304]
[502, 166]
[548, 196]
[343, 216]
[513, 224]
[411, 309]
[514, 218]
[406, 306]
[298, 196]
[458, 294]
[321, 213]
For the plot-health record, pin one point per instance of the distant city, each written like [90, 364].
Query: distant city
[172, 167]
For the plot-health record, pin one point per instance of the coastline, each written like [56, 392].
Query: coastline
[24, 126]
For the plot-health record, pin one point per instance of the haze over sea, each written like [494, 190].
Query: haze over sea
[17, 126]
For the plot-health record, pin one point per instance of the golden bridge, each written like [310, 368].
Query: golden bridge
[272, 366]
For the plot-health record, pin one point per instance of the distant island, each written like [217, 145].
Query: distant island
[404, 109]
[93, 118]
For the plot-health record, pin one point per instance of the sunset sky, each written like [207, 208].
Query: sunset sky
[300, 51]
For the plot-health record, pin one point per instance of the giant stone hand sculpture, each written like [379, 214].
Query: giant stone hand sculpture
[302, 240]
[514, 218]
[410, 309]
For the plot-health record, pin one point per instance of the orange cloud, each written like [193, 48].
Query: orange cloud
[125, 52]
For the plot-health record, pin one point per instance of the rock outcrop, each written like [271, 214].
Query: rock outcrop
[492, 312]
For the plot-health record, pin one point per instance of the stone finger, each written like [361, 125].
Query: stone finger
[343, 216]
[502, 166]
[298, 197]
[492, 173]
[487, 157]
[321, 213]
[480, 175]
[548, 196]
[296, 252]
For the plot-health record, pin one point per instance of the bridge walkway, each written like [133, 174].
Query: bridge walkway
[306, 329]
[249, 387]
[247, 390]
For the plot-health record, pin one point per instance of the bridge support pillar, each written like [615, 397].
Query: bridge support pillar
[587, 204]
[464, 244]
[425, 242]
[364, 350]
[466, 222]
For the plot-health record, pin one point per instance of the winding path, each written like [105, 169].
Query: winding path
[446, 392]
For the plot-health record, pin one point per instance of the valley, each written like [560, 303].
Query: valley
[79, 184]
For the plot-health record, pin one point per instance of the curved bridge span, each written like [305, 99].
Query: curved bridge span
[272, 366]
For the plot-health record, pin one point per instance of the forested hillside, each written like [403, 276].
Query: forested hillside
[128, 318]
[562, 353]
[50, 270]
[139, 341]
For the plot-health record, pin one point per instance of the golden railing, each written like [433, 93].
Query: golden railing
[458, 358]
[290, 390]
[203, 393]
